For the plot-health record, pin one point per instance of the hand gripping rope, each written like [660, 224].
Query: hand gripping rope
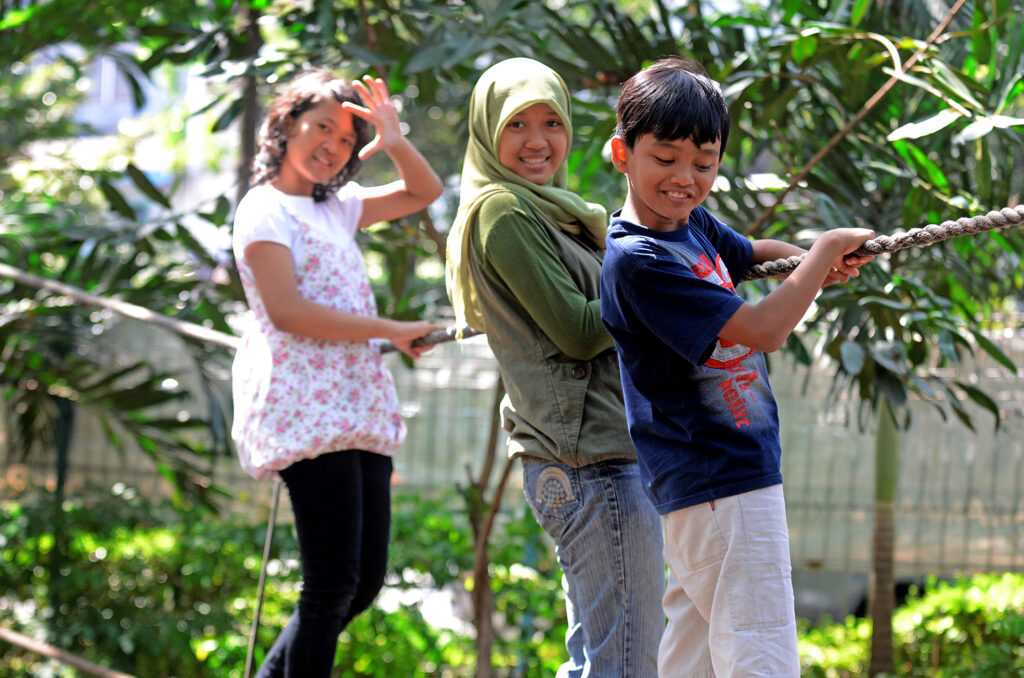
[915, 237]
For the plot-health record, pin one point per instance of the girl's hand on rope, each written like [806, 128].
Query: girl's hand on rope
[407, 332]
[846, 266]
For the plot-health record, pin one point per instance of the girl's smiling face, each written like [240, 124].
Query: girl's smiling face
[533, 143]
[320, 143]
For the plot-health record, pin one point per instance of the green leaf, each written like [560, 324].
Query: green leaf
[860, 8]
[981, 398]
[16, 17]
[888, 385]
[116, 200]
[229, 115]
[921, 128]
[947, 347]
[990, 348]
[981, 42]
[922, 385]
[875, 300]
[803, 48]
[889, 357]
[143, 183]
[852, 356]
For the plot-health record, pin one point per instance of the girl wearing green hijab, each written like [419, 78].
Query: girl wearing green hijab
[523, 265]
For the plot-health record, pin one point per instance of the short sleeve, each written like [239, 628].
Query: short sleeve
[349, 205]
[260, 218]
[734, 249]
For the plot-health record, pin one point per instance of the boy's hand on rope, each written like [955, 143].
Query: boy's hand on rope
[847, 265]
[845, 268]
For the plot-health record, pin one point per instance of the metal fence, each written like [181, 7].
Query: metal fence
[961, 494]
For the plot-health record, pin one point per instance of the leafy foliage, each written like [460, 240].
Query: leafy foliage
[968, 628]
[137, 590]
[126, 584]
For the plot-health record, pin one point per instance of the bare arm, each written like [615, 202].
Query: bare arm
[770, 250]
[843, 268]
[764, 326]
[272, 269]
[418, 185]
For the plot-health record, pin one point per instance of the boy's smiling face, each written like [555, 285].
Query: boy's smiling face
[667, 179]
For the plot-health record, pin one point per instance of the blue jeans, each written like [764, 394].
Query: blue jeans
[342, 507]
[609, 544]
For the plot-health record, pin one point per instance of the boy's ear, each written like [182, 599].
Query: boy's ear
[620, 154]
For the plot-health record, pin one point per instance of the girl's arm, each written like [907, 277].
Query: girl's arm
[418, 185]
[273, 271]
[522, 255]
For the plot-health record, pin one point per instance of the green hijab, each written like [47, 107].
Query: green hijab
[503, 90]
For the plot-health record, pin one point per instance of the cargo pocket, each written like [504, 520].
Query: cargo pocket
[757, 592]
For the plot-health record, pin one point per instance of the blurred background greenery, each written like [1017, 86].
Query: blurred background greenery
[127, 133]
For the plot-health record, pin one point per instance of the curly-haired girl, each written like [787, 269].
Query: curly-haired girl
[313, 400]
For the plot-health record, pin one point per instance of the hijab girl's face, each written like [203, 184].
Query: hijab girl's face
[533, 143]
[320, 143]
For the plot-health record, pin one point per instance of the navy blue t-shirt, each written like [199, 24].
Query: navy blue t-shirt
[700, 410]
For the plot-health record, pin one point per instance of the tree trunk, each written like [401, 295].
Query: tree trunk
[481, 518]
[883, 597]
[251, 110]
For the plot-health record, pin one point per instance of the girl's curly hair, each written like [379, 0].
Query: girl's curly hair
[303, 93]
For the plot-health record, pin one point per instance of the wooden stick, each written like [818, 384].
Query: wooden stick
[63, 657]
[122, 307]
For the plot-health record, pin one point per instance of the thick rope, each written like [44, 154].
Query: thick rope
[436, 337]
[915, 237]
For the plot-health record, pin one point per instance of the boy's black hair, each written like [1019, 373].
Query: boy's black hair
[673, 98]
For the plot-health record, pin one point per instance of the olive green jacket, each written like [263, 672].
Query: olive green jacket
[538, 290]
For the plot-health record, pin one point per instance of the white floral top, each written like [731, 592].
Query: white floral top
[295, 397]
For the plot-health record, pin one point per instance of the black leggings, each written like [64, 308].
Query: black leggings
[342, 507]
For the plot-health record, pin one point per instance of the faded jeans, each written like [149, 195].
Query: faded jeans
[342, 507]
[609, 545]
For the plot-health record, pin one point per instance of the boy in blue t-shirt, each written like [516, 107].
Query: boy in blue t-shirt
[700, 409]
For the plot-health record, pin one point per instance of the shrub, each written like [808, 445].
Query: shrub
[139, 588]
[969, 628]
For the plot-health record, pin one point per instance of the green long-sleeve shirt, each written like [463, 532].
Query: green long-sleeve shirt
[538, 289]
[513, 242]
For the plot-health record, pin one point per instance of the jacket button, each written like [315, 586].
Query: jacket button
[579, 372]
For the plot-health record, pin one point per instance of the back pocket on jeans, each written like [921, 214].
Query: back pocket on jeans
[553, 491]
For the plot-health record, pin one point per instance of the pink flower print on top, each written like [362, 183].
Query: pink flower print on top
[297, 398]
